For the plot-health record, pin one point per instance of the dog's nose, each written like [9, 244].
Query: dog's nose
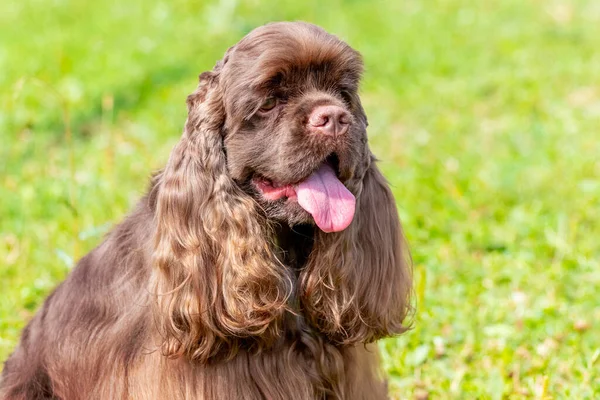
[329, 120]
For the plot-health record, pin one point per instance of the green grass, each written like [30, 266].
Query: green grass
[486, 115]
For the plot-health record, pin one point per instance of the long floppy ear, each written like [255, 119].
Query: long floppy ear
[214, 274]
[357, 284]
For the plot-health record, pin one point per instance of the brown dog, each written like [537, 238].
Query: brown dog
[265, 256]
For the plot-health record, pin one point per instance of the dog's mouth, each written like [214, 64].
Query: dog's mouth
[321, 194]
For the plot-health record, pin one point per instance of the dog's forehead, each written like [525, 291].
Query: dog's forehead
[294, 53]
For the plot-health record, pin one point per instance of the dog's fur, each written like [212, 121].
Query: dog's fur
[209, 291]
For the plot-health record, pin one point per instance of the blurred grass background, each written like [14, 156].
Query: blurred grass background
[485, 115]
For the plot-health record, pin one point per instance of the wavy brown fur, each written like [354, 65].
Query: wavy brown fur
[207, 290]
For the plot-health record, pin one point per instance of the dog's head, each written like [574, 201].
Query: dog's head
[294, 128]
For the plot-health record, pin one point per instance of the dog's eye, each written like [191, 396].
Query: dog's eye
[346, 96]
[268, 104]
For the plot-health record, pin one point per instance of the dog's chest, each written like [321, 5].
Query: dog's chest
[299, 370]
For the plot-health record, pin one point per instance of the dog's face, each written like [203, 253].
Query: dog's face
[295, 131]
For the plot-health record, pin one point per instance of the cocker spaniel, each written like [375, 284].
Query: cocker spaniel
[264, 259]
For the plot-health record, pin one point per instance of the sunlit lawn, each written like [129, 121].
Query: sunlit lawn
[486, 115]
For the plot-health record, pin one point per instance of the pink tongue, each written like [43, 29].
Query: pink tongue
[327, 200]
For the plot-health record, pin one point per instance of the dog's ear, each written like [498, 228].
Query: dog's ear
[357, 284]
[215, 276]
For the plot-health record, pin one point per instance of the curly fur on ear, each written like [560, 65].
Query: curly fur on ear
[215, 276]
[357, 284]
